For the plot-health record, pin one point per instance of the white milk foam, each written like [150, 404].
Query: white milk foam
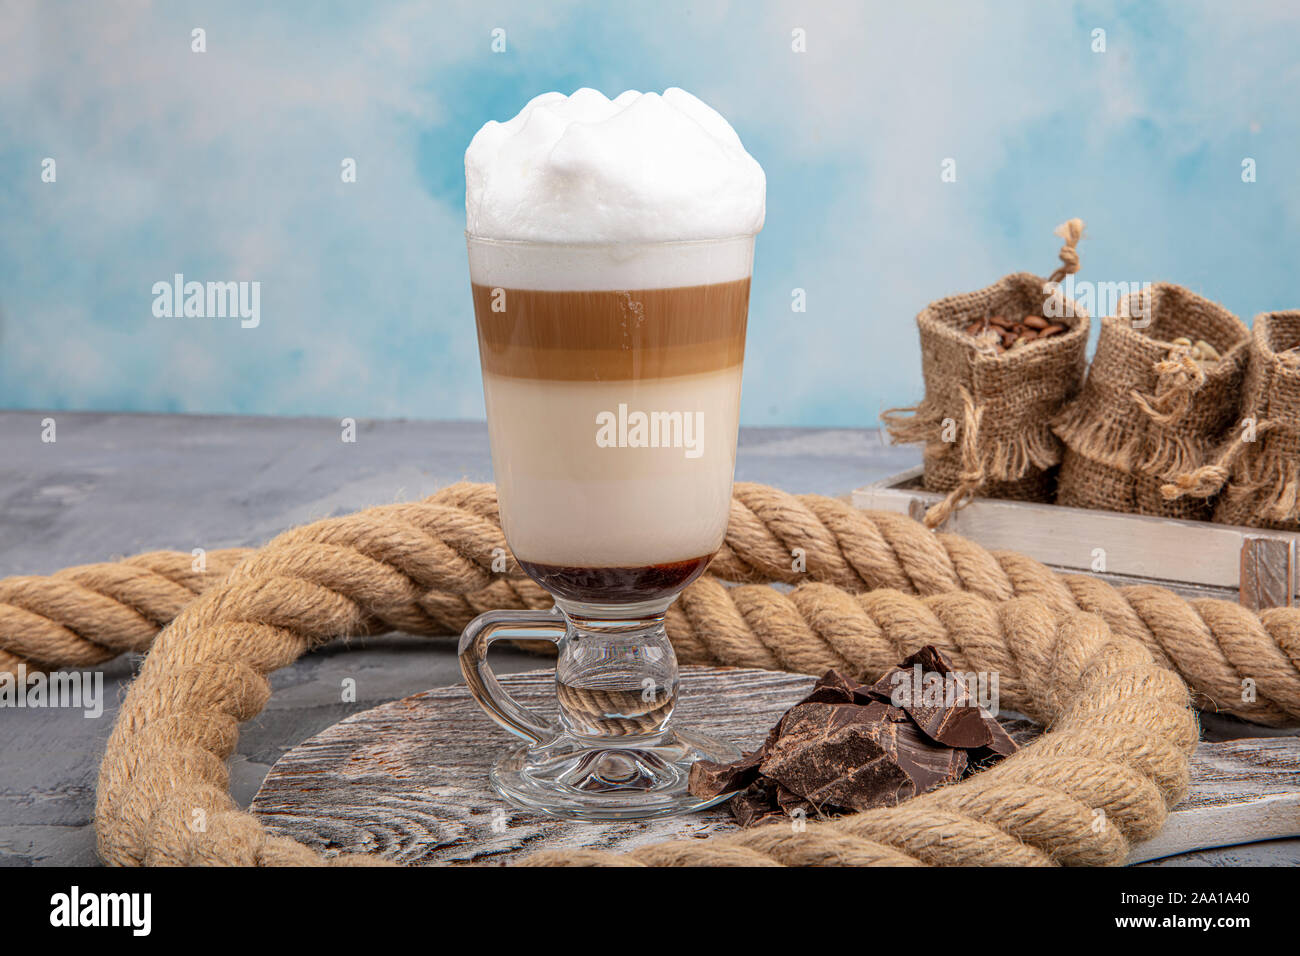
[586, 169]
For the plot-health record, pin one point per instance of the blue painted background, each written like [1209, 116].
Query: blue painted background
[225, 165]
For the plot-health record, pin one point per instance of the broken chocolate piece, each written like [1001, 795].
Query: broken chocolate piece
[1002, 745]
[790, 802]
[939, 702]
[833, 688]
[755, 804]
[851, 746]
[850, 757]
[709, 779]
[938, 699]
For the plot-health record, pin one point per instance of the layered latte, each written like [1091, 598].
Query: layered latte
[611, 326]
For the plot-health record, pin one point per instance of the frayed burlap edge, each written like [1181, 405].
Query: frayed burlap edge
[1263, 488]
[1151, 441]
[984, 459]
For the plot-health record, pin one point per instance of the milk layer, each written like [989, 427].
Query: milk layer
[565, 500]
[550, 267]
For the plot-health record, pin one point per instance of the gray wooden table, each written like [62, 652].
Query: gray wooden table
[113, 485]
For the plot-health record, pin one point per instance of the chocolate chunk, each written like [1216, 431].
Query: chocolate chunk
[853, 757]
[936, 697]
[755, 804]
[1001, 745]
[940, 704]
[789, 802]
[832, 754]
[833, 688]
[709, 779]
[931, 658]
[927, 764]
[851, 746]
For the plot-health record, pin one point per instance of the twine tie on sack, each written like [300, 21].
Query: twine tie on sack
[1263, 488]
[972, 472]
[1178, 378]
[1150, 409]
[1210, 479]
[1071, 231]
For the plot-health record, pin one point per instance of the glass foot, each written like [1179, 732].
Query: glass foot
[579, 779]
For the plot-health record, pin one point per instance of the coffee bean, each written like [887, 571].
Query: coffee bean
[999, 334]
[1207, 351]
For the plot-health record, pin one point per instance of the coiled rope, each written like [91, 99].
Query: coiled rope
[432, 563]
[1106, 685]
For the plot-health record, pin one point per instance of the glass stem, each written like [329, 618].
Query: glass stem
[616, 678]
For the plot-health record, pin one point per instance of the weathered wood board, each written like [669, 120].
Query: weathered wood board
[408, 779]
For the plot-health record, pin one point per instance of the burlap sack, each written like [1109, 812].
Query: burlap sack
[1259, 460]
[985, 416]
[1149, 411]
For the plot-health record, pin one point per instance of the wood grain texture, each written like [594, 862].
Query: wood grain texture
[1242, 791]
[408, 779]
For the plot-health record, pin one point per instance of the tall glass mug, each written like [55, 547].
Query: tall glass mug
[611, 374]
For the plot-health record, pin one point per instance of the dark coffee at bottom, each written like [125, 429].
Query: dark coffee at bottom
[616, 585]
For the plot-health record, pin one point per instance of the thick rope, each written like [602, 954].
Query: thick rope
[428, 566]
[1113, 761]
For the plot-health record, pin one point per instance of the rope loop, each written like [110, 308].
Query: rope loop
[1102, 667]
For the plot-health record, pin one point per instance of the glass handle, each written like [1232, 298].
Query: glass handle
[475, 640]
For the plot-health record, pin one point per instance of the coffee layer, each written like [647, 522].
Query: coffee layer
[617, 585]
[603, 336]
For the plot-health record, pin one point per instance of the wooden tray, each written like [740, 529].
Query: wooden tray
[1194, 558]
[408, 779]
